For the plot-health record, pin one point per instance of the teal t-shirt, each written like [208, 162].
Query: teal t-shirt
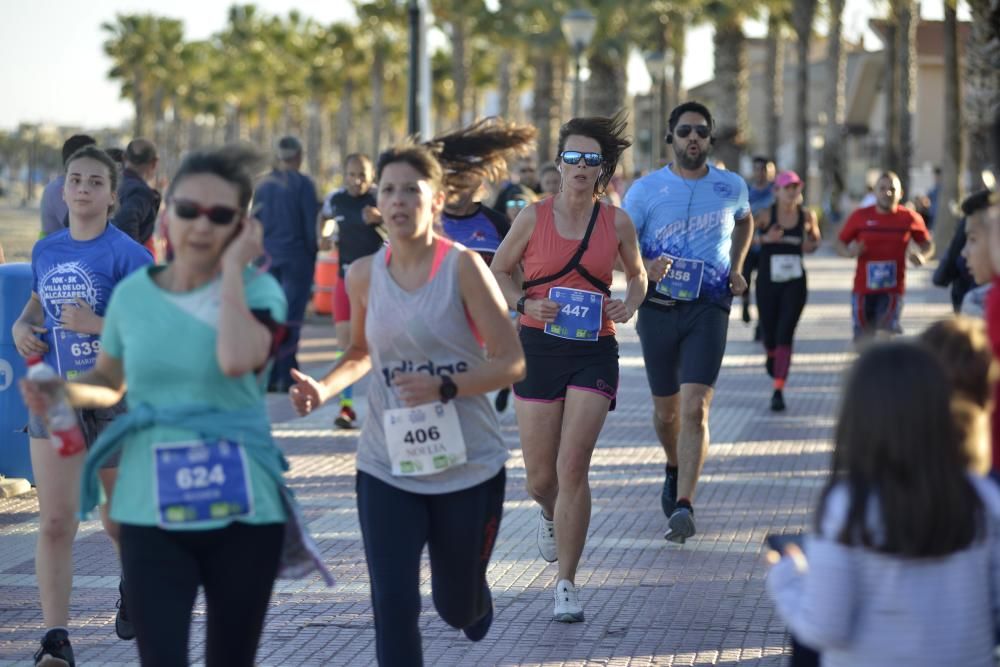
[166, 342]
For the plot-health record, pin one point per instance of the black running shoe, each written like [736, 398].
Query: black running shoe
[503, 396]
[55, 650]
[668, 497]
[347, 419]
[123, 625]
[478, 629]
[777, 401]
[746, 312]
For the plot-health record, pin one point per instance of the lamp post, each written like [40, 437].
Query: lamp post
[656, 64]
[578, 26]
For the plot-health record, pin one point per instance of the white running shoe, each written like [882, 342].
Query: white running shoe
[568, 608]
[547, 538]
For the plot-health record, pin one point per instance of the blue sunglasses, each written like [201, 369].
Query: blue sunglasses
[590, 159]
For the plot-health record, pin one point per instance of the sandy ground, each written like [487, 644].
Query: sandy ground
[18, 231]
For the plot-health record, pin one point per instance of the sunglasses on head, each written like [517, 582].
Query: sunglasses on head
[683, 131]
[191, 210]
[590, 159]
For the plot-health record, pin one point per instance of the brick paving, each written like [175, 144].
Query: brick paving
[647, 602]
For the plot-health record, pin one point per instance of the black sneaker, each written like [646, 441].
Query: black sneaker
[123, 625]
[681, 525]
[55, 650]
[347, 418]
[668, 497]
[500, 402]
[478, 629]
[777, 401]
[746, 312]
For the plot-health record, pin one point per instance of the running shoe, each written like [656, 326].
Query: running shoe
[478, 629]
[680, 526]
[568, 608]
[55, 650]
[777, 401]
[123, 624]
[668, 497]
[746, 312]
[547, 538]
[503, 396]
[347, 418]
[757, 333]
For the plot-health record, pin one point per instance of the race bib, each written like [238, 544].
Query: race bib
[201, 481]
[785, 268]
[881, 275]
[683, 280]
[76, 353]
[424, 440]
[579, 315]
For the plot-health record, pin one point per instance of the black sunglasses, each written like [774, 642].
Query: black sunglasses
[191, 210]
[590, 159]
[683, 131]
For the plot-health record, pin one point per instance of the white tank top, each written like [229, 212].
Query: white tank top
[426, 330]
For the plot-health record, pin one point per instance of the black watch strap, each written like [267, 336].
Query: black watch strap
[449, 389]
[520, 304]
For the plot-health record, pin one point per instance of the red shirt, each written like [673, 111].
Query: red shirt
[882, 265]
[993, 327]
[548, 252]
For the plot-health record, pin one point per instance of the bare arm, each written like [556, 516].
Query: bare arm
[505, 266]
[309, 393]
[243, 343]
[28, 324]
[854, 249]
[812, 240]
[101, 387]
[742, 237]
[635, 270]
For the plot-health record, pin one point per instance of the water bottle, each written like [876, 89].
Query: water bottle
[60, 420]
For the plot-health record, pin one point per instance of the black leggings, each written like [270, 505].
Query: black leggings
[780, 306]
[163, 569]
[459, 530]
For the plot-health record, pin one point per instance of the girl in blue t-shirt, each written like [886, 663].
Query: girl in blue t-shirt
[74, 272]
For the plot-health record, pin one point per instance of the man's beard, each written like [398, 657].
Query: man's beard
[691, 163]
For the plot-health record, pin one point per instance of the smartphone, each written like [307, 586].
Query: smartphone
[778, 542]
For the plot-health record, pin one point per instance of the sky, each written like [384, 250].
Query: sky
[55, 70]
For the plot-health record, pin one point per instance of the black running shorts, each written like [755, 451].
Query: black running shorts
[557, 364]
[682, 344]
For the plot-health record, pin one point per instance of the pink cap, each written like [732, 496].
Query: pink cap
[787, 178]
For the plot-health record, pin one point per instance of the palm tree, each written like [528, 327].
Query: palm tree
[981, 94]
[774, 77]
[907, 15]
[803, 13]
[944, 219]
[731, 80]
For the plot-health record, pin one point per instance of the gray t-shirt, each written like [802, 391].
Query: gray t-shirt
[53, 208]
[426, 330]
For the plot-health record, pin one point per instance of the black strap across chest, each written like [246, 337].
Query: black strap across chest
[574, 262]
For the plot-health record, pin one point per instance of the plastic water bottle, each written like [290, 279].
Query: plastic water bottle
[60, 420]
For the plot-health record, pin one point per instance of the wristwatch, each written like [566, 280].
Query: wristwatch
[449, 389]
[520, 304]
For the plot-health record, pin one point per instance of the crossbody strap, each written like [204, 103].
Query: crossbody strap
[574, 262]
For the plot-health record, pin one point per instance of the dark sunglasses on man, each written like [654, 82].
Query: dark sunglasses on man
[589, 159]
[217, 215]
[684, 131]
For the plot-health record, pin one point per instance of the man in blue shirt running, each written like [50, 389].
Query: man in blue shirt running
[698, 217]
[288, 207]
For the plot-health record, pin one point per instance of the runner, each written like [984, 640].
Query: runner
[976, 253]
[788, 229]
[469, 156]
[568, 245]
[879, 237]
[200, 496]
[760, 192]
[699, 215]
[415, 310]
[74, 272]
[358, 221]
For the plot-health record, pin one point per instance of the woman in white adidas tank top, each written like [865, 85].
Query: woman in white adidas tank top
[430, 456]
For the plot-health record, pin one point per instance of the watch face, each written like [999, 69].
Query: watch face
[448, 388]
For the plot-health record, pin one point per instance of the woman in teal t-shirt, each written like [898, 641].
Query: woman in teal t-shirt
[199, 494]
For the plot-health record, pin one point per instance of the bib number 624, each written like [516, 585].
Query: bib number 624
[419, 436]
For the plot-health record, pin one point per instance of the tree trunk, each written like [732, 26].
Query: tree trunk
[802, 18]
[232, 123]
[774, 82]
[604, 92]
[378, 87]
[544, 108]
[504, 88]
[314, 138]
[948, 191]
[731, 91]
[906, 34]
[260, 130]
[890, 153]
[981, 97]
[459, 71]
[345, 120]
[139, 104]
[833, 151]
[678, 46]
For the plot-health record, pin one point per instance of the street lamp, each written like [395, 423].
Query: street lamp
[656, 64]
[578, 25]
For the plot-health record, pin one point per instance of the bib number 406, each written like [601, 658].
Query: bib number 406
[419, 436]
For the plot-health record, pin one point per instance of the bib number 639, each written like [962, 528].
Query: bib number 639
[85, 348]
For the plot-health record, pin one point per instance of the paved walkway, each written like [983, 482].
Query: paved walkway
[647, 602]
